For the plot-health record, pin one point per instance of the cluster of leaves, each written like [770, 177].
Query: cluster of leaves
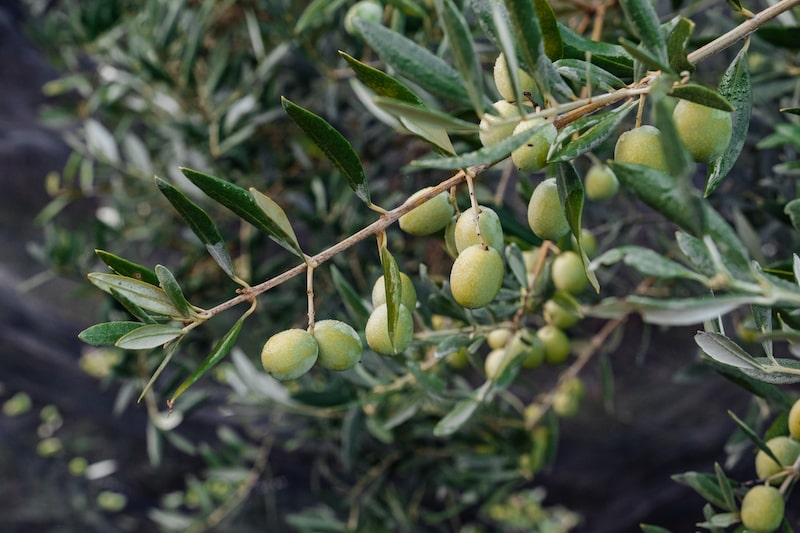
[416, 405]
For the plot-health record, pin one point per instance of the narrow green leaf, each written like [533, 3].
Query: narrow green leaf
[548, 22]
[582, 73]
[677, 44]
[242, 203]
[381, 83]
[591, 131]
[200, 223]
[753, 436]
[648, 262]
[457, 417]
[393, 287]
[134, 309]
[735, 86]
[704, 484]
[726, 489]
[173, 290]
[316, 13]
[338, 149]
[679, 161]
[570, 193]
[126, 268]
[770, 371]
[168, 353]
[148, 337]
[516, 263]
[722, 349]
[462, 46]
[426, 116]
[143, 294]
[646, 528]
[643, 19]
[487, 155]
[611, 57]
[696, 252]
[685, 311]
[409, 7]
[277, 215]
[218, 353]
[702, 95]
[644, 57]
[415, 63]
[792, 110]
[528, 33]
[107, 333]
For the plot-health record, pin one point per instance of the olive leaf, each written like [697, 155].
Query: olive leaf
[143, 294]
[570, 193]
[149, 336]
[107, 333]
[127, 268]
[173, 290]
[462, 47]
[393, 286]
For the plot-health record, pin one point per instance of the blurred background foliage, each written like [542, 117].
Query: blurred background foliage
[150, 86]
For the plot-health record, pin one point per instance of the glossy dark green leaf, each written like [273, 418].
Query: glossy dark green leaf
[570, 193]
[393, 287]
[333, 144]
[677, 44]
[642, 17]
[107, 333]
[145, 295]
[648, 262]
[123, 267]
[381, 83]
[459, 38]
[645, 57]
[200, 223]
[528, 33]
[704, 484]
[483, 156]
[587, 133]
[415, 63]
[701, 95]
[220, 350]
[149, 336]
[753, 436]
[582, 74]
[611, 57]
[173, 290]
[277, 215]
[722, 349]
[735, 86]
[548, 22]
[242, 203]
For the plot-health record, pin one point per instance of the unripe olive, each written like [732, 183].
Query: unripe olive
[600, 183]
[458, 359]
[705, 131]
[502, 80]
[339, 344]
[377, 330]
[497, 338]
[565, 405]
[556, 344]
[498, 125]
[642, 146]
[408, 294]
[588, 242]
[785, 449]
[368, 10]
[494, 362]
[535, 353]
[289, 354]
[450, 236]
[466, 235]
[546, 215]
[429, 217]
[762, 509]
[532, 156]
[559, 316]
[476, 276]
[568, 274]
[794, 421]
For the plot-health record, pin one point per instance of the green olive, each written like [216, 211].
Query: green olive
[762, 509]
[494, 362]
[500, 124]
[532, 156]
[368, 10]
[786, 450]
[559, 316]
[556, 344]
[641, 146]
[794, 421]
[588, 242]
[546, 215]
[705, 131]
[408, 294]
[466, 234]
[377, 331]
[430, 217]
[502, 80]
[476, 276]
[458, 359]
[339, 344]
[289, 354]
[497, 338]
[600, 183]
[568, 273]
